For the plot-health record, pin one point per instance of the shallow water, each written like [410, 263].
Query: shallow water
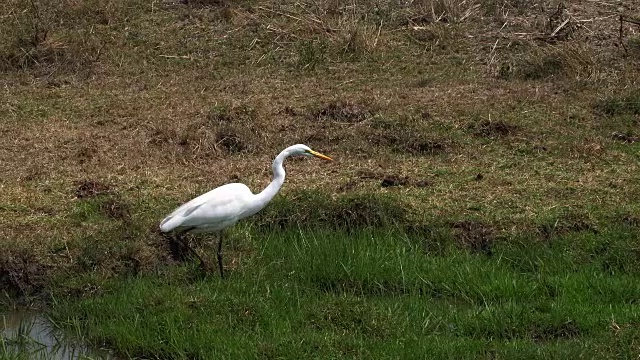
[30, 333]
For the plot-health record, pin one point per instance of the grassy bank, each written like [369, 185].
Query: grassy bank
[380, 294]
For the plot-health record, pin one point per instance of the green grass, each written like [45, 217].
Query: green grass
[379, 294]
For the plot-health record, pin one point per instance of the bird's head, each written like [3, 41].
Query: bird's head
[304, 150]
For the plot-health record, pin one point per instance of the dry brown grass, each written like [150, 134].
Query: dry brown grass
[488, 105]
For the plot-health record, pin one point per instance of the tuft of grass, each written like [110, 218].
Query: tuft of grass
[633, 45]
[544, 62]
[235, 132]
[618, 105]
[408, 135]
[206, 3]
[493, 128]
[311, 53]
[341, 111]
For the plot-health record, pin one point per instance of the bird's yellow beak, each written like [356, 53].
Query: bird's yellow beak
[321, 156]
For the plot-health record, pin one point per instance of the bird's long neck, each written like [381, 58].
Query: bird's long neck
[278, 179]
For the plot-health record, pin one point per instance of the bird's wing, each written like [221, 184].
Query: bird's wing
[214, 209]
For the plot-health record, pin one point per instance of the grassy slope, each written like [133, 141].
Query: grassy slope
[113, 112]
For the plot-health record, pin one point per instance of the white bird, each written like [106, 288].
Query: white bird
[222, 207]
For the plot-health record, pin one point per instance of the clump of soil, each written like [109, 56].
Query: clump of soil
[475, 235]
[418, 146]
[341, 111]
[115, 209]
[568, 329]
[90, 188]
[491, 129]
[564, 225]
[390, 180]
[631, 220]
[288, 110]
[625, 137]
[394, 180]
[409, 140]
[21, 273]
[205, 3]
[235, 129]
[231, 142]
[85, 154]
[162, 136]
[349, 185]
[110, 203]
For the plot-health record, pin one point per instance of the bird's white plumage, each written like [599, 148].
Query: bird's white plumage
[214, 210]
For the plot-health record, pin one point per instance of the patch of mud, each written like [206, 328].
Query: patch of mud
[568, 329]
[341, 111]
[115, 209]
[90, 188]
[204, 3]
[162, 136]
[493, 129]
[288, 110]
[390, 180]
[21, 273]
[631, 220]
[85, 154]
[110, 203]
[565, 225]
[349, 185]
[628, 138]
[475, 235]
[395, 180]
[234, 127]
[234, 114]
[419, 146]
[231, 142]
[406, 140]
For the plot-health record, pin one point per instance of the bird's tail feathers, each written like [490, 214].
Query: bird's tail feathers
[169, 223]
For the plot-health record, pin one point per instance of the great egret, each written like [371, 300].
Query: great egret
[222, 207]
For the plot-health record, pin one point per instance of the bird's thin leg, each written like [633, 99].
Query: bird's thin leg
[220, 255]
[180, 237]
